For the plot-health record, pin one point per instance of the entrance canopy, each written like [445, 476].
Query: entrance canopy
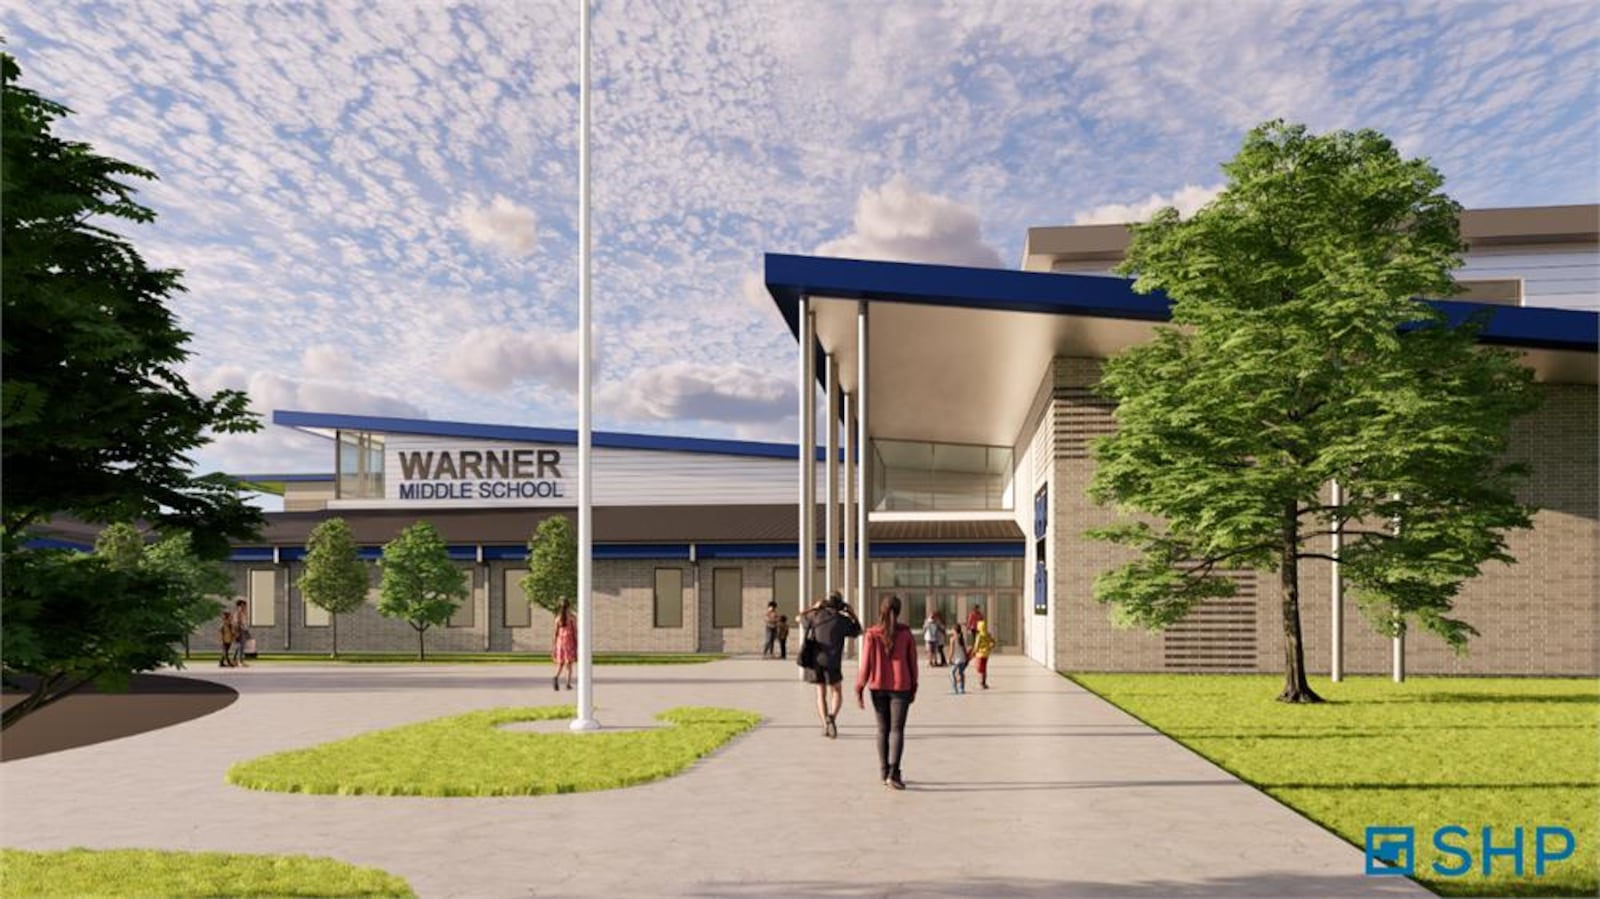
[957, 354]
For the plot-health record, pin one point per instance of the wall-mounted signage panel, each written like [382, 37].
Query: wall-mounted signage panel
[460, 473]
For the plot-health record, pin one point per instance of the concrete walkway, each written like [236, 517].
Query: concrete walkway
[1033, 788]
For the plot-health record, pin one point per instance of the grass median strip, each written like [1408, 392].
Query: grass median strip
[82, 873]
[1433, 751]
[472, 755]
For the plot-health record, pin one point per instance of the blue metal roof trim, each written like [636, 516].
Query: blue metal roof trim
[250, 554]
[53, 543]
[1009, 550]
[790, 276]
[468, 552]
[522, 434]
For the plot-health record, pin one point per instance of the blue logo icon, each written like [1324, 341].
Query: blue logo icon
[1385, 848]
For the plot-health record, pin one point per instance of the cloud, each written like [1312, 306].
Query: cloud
[1188, 200]
[736, 394]
[325, 361]
[899, 223]
[502, 225]
[489, 359]
[278, 449]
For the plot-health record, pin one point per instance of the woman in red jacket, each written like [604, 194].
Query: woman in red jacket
[889, 669]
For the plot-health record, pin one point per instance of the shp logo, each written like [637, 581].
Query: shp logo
[1392, 850]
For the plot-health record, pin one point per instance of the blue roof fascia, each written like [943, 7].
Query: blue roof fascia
[788, 277]
[53, 543]
[522, 434]
[789, 550]
[468, 552]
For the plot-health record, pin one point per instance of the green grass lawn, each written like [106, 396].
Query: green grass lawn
[467, 658]
[470, 755]
[1474, 752]
[84, 873]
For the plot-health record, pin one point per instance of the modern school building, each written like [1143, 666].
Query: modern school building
[966, 403]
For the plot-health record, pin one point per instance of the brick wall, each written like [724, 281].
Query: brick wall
[1541, 616]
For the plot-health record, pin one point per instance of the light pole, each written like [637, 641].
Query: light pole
[585, 719]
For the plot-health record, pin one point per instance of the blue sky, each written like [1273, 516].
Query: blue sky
[376, 204]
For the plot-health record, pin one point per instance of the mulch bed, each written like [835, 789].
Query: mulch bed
[90, 716]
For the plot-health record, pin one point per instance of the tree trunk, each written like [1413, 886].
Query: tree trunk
[1295, 688]
[334, 619]
[422, 649]
[38, 698]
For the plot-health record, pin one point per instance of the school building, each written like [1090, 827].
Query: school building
[966, 402]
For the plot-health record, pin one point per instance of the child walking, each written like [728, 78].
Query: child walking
[958, 659]
[982, 645]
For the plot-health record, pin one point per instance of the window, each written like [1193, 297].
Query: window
[669, 597]
[315, 616]
[786, 590]
[727, 597]
[263, 596]
[916, 476]
[467, 613]
[515, 610]
[360, 465]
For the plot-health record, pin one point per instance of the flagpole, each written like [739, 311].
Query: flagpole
[585, 719]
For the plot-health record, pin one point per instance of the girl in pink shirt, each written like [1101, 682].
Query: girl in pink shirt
[564, 648]
[889, 669]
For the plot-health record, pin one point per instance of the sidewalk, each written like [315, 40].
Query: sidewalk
[1033, 788]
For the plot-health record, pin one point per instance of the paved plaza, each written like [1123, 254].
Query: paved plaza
[1033, 788]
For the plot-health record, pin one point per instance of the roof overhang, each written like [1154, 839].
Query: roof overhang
[957, 354]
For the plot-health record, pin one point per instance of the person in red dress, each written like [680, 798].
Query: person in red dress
[565, 648]
[889, 669]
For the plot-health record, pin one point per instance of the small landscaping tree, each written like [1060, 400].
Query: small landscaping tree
[1303, 355]
[552, 564]
[420, 585]
[336, 578]
[73, 618]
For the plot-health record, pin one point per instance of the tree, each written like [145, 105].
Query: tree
[552, 564]
[74, 618]
[420, 583]
[98, 422]
[335, 578]
[1302, 355]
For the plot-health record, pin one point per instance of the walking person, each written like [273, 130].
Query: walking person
[782, 630]
[225, 637]
[933, 636]
[772, 629]
[958, 659]
[974, 616]
[982, 645]
[565, 648]
[827, 627]
[889, 670]
[241, 633]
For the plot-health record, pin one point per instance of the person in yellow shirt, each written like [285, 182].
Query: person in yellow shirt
[982, 645]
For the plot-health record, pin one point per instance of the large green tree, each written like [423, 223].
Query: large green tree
[98, 422]
[552, 564]
[1302, 355]
[77, 618]
[335, 578]
[421, 586]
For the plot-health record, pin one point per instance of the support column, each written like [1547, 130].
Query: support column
[808, 455]
[1399, 660]
[863, 472]
[1336, 663]
[846, 584]
[830, 580]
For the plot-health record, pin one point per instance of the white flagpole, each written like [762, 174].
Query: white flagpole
[585, 719]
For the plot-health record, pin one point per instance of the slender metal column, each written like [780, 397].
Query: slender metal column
[585, 719]
[863, 472]
[846, 585]
[831, 491]
[1399, 660]
[808, 455]
[1336, 664]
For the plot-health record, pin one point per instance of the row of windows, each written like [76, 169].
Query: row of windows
[727, 599]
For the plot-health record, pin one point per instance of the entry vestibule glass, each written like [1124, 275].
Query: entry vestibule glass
[915, 476]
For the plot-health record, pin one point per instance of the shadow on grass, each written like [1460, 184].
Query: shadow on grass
[1589, 698]
[1389, 786]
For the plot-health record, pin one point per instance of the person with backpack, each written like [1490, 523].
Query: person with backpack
[783, 636]
[225, 635]
[822, 656]
[889, 670]
[982, 646]
[772, 629]
[933, 635]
